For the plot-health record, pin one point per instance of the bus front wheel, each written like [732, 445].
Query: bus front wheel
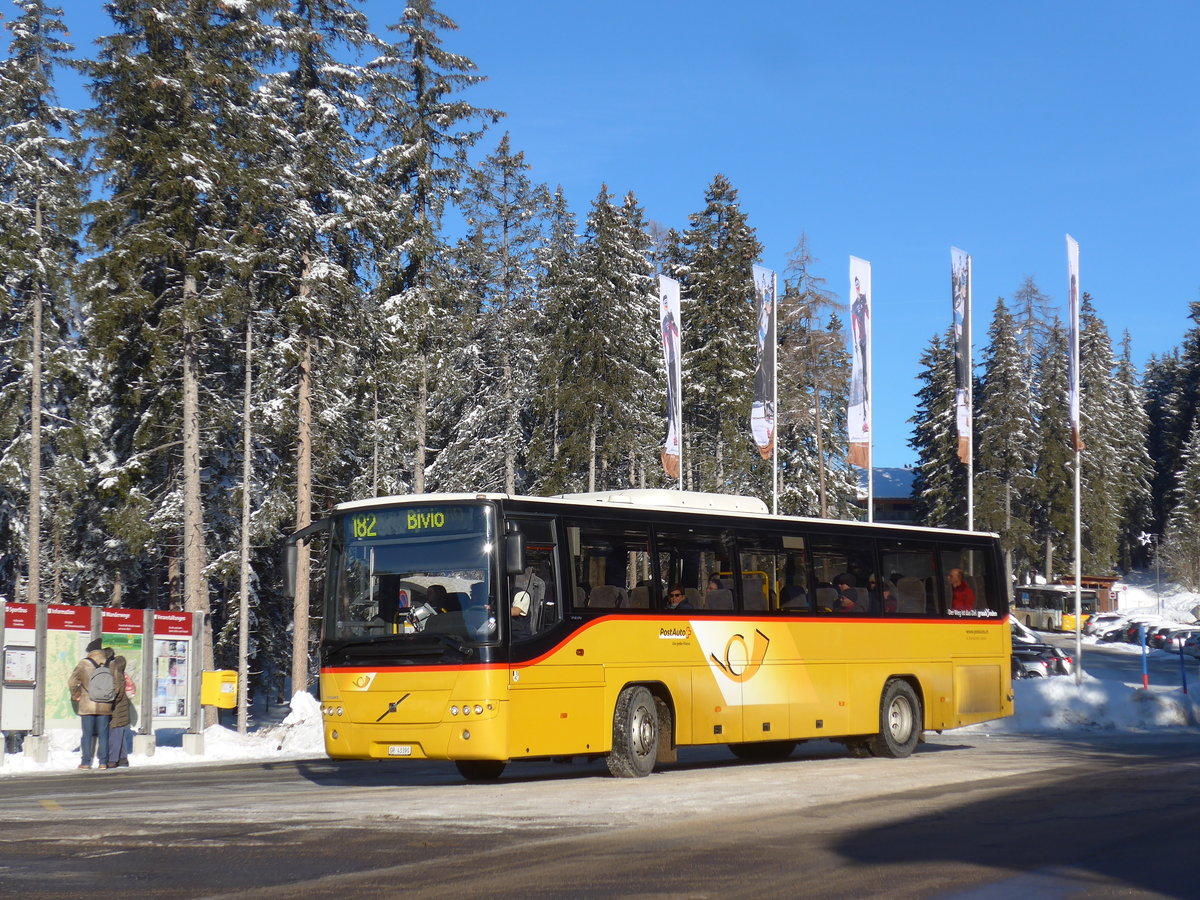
[899, 721]
[480, 769]
[635, 734]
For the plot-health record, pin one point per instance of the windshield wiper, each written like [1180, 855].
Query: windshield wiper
[451, 641]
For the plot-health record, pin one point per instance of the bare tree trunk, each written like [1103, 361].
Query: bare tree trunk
[195, 584]
[174, 577]
[300, 608]
[33, 587]
[118, 590]
[244, 551]
[510, 446]
[420, 426]
[58, 565]
[592, 453]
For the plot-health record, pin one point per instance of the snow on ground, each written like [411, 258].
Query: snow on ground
[1041, 705]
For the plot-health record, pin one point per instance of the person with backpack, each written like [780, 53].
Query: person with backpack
[118, 726]
[93, 690]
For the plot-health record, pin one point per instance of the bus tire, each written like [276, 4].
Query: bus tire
[635, 733]
[763, 750]
[480, 769]
[899, 721]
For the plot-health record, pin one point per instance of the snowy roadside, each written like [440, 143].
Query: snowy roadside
[1042, 705]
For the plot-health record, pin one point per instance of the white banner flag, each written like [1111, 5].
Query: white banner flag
[960, 296]
[859, 414]
[668, 308]
[762, 412]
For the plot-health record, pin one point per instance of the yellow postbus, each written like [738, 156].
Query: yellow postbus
[483, 628]
[1051, 607]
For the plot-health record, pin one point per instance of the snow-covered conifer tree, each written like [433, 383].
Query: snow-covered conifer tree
[1004, 451]
[1052, 495]
[940, 485]
[40, 201]
[715, 270]
[1181, 539]
[423, 127]
[490, 429]
[1102, 475]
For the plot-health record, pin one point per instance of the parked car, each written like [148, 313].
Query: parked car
[1191, 646]
[1102, 622]
[1039, 661]
[1175, 640]
[1156, 635]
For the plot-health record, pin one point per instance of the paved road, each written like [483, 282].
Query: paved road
[969, 815]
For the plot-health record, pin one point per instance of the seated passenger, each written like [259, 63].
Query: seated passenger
[677, 599]
[847, 594]
[520, 616]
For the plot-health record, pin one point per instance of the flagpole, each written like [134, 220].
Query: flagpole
[1075, 403]
[870, 324]
[775, 417]
[970, 402]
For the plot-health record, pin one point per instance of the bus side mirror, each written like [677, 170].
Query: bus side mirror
[289, 570]
[290, 553]
[514, 549]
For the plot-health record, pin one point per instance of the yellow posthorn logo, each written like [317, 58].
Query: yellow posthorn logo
[362, 680]
[740, 664]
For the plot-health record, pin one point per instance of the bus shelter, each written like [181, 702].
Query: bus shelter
[42, 643]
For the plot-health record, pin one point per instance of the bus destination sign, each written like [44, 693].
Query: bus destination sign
[410, 521]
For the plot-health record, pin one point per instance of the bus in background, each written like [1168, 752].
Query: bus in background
[1051, 607]
[484, 628]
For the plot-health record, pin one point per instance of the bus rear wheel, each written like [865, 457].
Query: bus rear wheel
[899, 721]
[635, 734]
[480, 769]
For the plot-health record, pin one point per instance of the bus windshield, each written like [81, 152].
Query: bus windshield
[420, 571]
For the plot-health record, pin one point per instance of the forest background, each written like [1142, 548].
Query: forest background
[281, 261]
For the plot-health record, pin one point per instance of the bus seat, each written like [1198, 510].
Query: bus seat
[607, 596]
[793, 596]
[911, 595]
[693, 597]
[753, 592]
[719, 599]
[826, 596]
[639, 597]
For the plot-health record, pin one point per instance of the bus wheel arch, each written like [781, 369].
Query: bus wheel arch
[638, 731]
[901, 719]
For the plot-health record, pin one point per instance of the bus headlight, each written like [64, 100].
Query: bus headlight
[454, 710]
[478, 710]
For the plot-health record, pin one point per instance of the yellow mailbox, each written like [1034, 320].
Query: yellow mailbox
[219, 688]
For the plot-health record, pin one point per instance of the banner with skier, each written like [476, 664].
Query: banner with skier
[960, 296]
[859, 414]
[668, 308]
[762, 411]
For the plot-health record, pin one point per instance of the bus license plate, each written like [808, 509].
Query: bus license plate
[400, 750]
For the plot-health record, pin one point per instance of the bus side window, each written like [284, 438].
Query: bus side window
[539, 580]
[966, 576]
[610, 563]
[694, 559]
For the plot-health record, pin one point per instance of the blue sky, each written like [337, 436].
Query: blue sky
[887, 131]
